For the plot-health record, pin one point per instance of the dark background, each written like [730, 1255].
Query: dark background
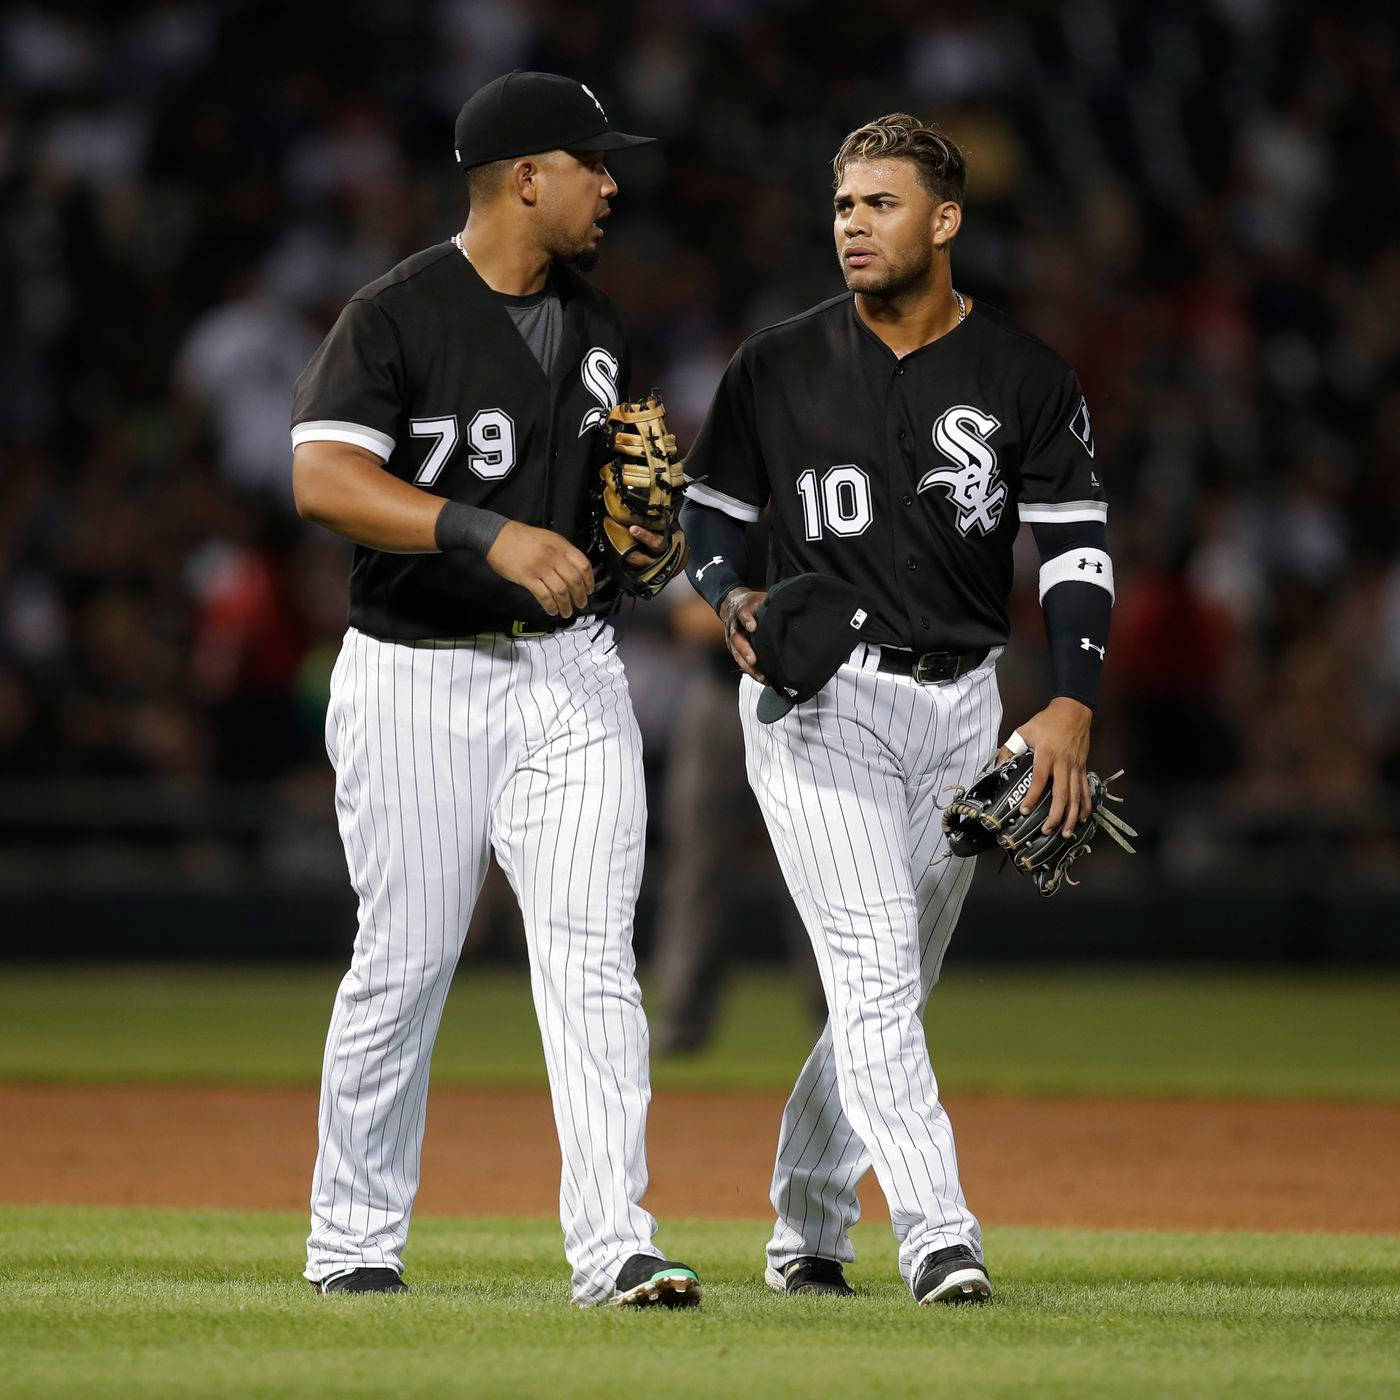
[1197, 204]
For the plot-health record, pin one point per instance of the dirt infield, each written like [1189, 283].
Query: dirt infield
[1101, 1162]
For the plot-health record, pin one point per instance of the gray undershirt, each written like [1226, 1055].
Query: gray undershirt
[540, 321]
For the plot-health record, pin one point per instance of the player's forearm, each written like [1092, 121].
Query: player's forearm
[1077, 619]
[346, 490]
[1076, 594]
[720, 559]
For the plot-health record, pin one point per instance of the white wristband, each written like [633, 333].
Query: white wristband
[1015, 745]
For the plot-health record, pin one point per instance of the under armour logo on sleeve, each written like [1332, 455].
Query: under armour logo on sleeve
[700, 572]
[1088, 568]
[1086, 645]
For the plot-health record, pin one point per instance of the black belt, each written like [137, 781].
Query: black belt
[516, 631]
[930, 667]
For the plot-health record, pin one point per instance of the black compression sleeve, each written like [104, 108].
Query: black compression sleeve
[1076, 624]
[719, 551]
[1076, 583]
[460, 526]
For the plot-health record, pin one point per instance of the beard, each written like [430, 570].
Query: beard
[572, 249]
[899, 278]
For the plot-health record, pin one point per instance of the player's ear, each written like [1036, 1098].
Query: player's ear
[947, 220]
[524, 179]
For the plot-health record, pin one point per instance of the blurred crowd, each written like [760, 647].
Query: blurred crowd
[1197, 204]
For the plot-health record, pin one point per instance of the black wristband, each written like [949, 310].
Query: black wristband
[460, 526]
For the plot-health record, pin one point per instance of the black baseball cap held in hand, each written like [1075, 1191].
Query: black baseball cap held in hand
[807, 626]
[522, 114]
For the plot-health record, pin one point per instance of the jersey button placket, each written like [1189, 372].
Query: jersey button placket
[904, 454]
[901, 450]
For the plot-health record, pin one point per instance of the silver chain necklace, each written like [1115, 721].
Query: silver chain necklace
[457, 244]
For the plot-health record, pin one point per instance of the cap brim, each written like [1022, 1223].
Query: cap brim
[598, 141]
[611, 141]
[772, 704]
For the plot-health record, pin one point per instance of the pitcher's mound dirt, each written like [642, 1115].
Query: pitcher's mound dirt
[1100, 1162]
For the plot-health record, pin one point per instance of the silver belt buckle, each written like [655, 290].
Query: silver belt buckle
[919, 674]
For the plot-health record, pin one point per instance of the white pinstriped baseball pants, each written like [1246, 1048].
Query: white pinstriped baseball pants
[442, 752]
[849, 785]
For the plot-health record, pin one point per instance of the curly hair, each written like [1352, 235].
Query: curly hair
[898, 136]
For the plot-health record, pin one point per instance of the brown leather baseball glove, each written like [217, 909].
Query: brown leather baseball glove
[642, 483]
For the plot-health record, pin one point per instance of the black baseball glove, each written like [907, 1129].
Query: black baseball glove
[988, 815]
[641, 483]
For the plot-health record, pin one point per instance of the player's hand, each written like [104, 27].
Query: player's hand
[1059, 734]
[650, 548]
[736, 611]
[558, 576]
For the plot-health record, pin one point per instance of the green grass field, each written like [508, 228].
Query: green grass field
[156, 1303]
[119, 1303]
[1077, 1032]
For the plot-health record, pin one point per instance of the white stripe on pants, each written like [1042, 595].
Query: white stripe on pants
[530, 747]
[849, 786]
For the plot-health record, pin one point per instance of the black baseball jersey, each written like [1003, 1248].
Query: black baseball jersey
[426, 369]
[906, 477]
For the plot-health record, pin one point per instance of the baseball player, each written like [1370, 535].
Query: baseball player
[448, 424]
[899, 435]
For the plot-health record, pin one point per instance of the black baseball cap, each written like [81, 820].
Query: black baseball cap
[521, 114]
[807, 626]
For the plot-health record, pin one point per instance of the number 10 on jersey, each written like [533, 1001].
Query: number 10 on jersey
[838, 502]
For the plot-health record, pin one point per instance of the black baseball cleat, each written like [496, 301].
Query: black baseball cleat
[809, 1273]
[952, 1275]
[362, 1281]
[648, 1281]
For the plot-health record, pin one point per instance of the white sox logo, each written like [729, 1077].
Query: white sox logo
[599, 374]
[973, 484]
[596, 103]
